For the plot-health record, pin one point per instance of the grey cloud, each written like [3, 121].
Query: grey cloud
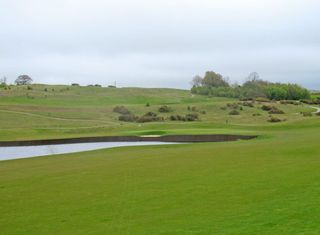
[159, 43]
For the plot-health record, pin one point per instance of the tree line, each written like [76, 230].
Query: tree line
[21, 80]
[214, 84]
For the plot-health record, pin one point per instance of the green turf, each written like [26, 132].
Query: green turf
[269, 185]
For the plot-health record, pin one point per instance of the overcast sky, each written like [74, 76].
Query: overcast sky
[159, 43]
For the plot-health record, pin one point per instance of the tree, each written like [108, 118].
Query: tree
[196, 81]
[212, 79]
[23, 80]
[254, 76]
[3, 80]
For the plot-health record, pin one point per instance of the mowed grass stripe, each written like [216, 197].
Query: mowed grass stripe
[255, 187]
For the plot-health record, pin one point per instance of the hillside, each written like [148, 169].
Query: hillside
[47, 111]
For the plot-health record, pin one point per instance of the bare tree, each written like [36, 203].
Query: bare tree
[254, 76]
[196, 81]
[23, 80]
[3, 80]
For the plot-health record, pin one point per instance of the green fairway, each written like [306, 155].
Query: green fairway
[269, 185]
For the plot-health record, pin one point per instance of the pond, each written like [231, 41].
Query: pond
[9, 153]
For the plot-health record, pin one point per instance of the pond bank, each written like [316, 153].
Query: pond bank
[165, 138]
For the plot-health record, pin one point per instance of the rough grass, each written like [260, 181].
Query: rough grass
[88, 111]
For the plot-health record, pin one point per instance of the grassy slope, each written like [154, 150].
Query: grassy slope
[265, 186]
[87, 111]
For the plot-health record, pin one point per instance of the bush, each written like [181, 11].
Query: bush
[45, 89]
[233, 105]
[311, 102]
[262, 99]
[29, 88]
[149, 117]
[274, 119]
[194, 109]
[127, 118]
[266, 107]
[289, 102]
[306, 114]
[275, 110]
[177, 118]
[234, 112]
[256, 114]
[147, 105]
[121, 109]
[164, 109]
[247, 104]
[191, 117]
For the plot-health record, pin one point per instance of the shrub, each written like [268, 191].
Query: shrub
[194, 109]
[150, 114]
[45, 89]
[234, 112]
[306, 114]
[127, 118]
[191, 117]
[275, 110]
[121, 109]
[262, 99]
[177, 118]
[164, 109]
[314, 101]
[75, 84]
[247, 104]
[29, 88]
[289, 102]
[272, 109]
[149, 117]
[233, 105]
[173, 118]
[147, 105]
[274, 119]
[256, 114]
[266, 107]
